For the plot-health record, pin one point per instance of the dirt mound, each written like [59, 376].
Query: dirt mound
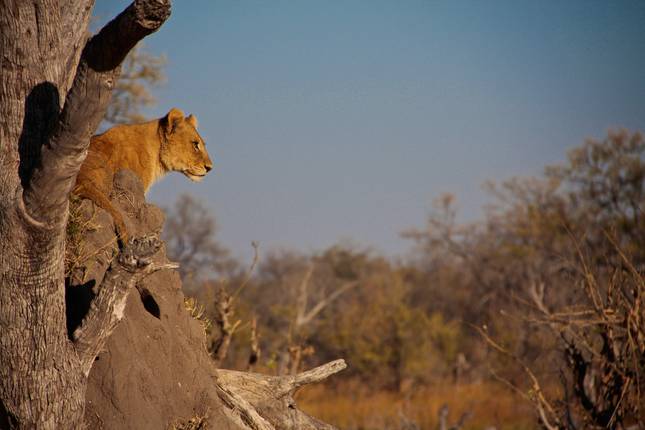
[155, 372]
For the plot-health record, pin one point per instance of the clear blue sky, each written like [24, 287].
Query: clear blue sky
[342, 120]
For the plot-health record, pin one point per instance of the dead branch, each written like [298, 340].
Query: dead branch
[256, 352]
[272, 396]
[242, 409]
[443, 419]
[305, 318]
[249, 272]
[224, 311]
[291, 383]
[131, 266]
[303, 296]
[295, 348]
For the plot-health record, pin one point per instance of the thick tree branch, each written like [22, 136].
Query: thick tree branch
[272, 396]
[289, 384]
[85, 105]
[106, 310]
[243, 409]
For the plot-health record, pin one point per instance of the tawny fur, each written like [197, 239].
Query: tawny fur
[150, 150]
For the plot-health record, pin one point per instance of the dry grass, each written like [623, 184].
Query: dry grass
[198, 312]
[352, 408]
[195, 423]
[78, 226]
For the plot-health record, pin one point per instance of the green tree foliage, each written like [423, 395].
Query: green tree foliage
[387, 337]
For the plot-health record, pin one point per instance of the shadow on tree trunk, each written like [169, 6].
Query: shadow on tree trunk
[78, 299]
[41, 115]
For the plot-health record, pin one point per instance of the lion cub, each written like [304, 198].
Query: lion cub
[151, 150]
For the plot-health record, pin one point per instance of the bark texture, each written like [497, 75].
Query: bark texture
[54, 89]
[271, 397]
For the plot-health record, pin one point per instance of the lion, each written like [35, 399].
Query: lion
[150, 150]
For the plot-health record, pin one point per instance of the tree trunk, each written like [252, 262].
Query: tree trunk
[54, 90]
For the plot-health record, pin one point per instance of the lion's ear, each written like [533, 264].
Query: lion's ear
[174, 117]
[190, 119]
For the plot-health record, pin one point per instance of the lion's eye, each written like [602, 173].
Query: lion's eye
[196, 145]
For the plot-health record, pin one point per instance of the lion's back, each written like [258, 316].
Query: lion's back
[121, 147]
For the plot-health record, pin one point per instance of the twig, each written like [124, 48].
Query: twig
[541, 401]
[249, 272]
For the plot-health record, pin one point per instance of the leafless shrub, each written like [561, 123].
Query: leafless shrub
[224, 312]
[602, 339]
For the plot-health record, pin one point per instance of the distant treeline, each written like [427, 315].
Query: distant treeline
[543, 295]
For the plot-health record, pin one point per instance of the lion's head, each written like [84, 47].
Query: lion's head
[182, 148]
